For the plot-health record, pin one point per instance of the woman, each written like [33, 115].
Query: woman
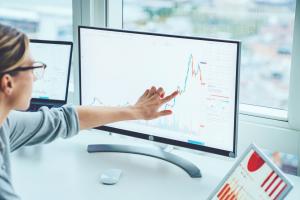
[18, 70]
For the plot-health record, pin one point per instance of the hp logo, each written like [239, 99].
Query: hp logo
[151, 138]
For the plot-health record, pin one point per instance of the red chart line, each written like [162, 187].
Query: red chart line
[194, 72]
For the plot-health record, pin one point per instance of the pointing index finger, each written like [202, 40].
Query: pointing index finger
[170, 97]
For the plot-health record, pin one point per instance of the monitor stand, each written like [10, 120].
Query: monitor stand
[159, 153]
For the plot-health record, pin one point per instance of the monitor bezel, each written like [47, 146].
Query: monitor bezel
[155, 138]
[55, 101]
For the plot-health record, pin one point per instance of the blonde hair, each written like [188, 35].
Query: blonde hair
[13, 47]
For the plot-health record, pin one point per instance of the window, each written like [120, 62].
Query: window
[40, 19]
[265, 28]
[50, 19]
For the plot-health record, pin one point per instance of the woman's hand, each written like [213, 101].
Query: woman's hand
[148, 104]
[145, 108]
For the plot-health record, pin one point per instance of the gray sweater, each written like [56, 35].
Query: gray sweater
[30, 128]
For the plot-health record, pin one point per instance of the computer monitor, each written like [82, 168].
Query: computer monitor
[52, 89]
[116, 66]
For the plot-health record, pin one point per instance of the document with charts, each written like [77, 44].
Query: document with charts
[255, 177]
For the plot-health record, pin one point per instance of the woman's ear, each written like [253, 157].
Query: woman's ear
[6, 84]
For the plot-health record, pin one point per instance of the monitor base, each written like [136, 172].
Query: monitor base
[186, 165]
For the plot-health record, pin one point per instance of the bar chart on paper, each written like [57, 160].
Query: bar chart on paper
[253, 179]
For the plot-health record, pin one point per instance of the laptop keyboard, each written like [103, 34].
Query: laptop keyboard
[36, 107]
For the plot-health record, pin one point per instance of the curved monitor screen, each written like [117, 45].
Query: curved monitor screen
[117, 66]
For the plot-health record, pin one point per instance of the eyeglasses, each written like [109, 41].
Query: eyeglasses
[38, 69]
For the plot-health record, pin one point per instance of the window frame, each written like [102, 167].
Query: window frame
[282, 127]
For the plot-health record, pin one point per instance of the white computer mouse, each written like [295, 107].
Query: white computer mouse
[110, 176]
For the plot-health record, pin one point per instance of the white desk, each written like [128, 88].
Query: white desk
[64, 170]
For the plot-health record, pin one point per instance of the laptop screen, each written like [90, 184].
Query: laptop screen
[57, 56]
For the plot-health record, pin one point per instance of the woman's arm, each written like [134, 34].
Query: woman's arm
[44, 126]
[145, 108]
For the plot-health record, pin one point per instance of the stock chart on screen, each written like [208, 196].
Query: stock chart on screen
[117, 67]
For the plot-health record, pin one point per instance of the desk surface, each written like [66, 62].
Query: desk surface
[64, 170]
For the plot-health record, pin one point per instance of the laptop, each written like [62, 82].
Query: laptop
[52, 89]
[254, 176]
